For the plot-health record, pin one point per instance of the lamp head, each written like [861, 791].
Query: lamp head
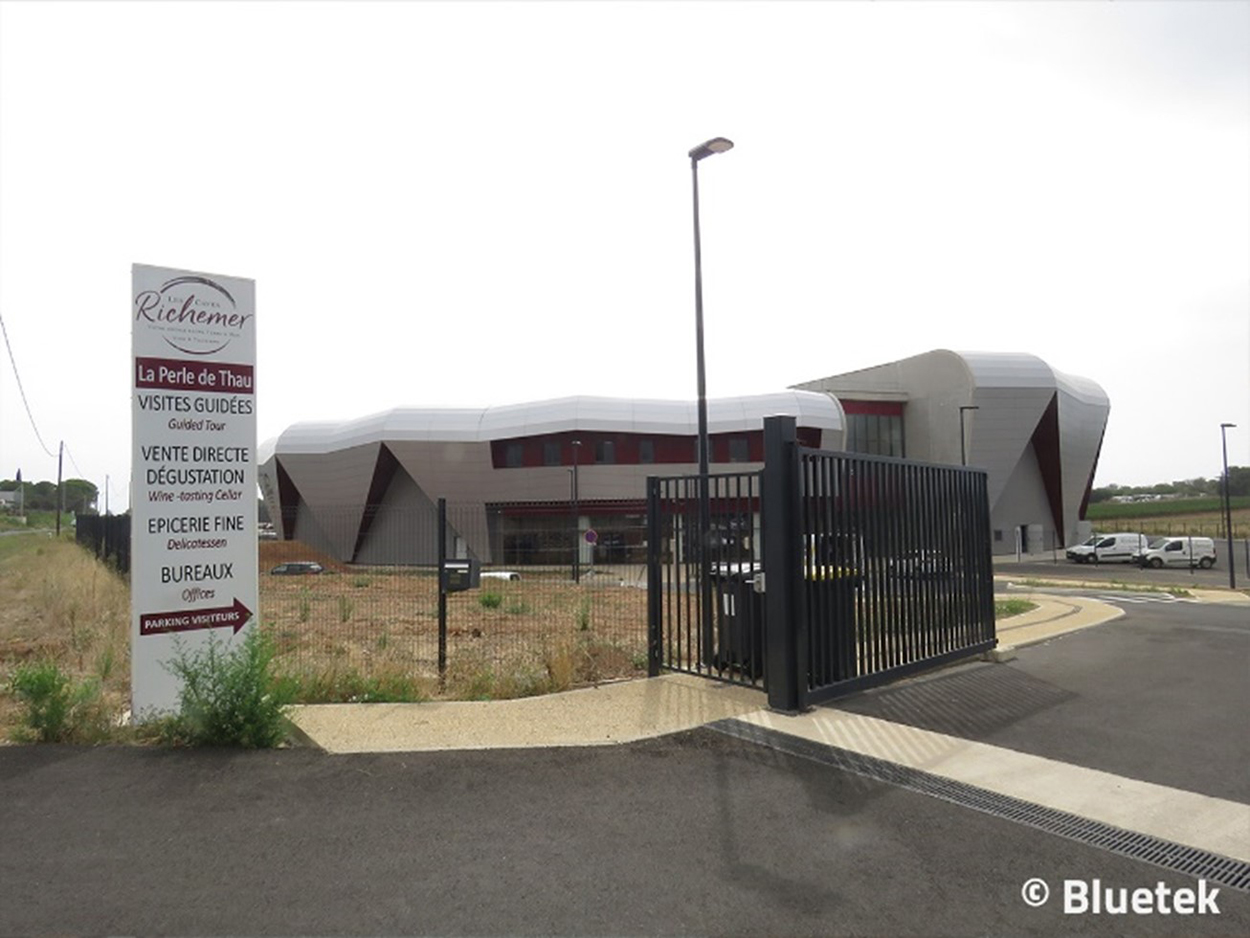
[1225, 425]
[715, 145]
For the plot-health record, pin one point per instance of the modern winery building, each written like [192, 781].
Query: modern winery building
[517, 478]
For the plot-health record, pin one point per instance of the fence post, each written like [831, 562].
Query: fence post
[786, 638]
[442, 591]
[655, 579]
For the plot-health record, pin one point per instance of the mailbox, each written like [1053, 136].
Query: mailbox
[461, 575]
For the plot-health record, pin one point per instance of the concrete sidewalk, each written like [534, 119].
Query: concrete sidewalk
[610, 713]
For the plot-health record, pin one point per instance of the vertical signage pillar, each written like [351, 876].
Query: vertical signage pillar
[193, 485]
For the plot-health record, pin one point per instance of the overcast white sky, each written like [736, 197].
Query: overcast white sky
[486, 203]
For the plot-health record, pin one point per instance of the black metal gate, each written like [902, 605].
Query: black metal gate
[825, 574]
[705, 615]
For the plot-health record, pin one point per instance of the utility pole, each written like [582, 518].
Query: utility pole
[60, 489]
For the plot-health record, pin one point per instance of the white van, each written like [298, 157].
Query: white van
[1178, 551]
[1108, 548]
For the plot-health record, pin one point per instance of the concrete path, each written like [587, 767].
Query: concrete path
[621, 712]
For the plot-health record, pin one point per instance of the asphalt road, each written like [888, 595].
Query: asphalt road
[1215, 578]
[1159, 695]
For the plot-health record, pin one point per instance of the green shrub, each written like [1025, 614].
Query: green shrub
[57, 709]
[230, 697]
[490, 600]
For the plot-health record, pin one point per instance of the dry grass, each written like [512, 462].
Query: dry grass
[348, 634]
[506, 639]
[59, 604]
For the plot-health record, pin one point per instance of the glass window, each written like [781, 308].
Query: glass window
[646, 451]
[551, 453]
[605, 451]
[875, 434]
[515, 455]
[739, 451]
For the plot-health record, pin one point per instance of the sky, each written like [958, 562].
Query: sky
[475, 203]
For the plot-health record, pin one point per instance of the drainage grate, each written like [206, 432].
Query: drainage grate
[1200, 864]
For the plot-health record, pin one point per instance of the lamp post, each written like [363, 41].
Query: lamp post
[577, 543]
[963, 446]
[702, 151]
[1228, 508]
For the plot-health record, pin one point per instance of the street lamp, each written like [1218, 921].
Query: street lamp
[1228, 508]
[963, 446]
[702, 151]
[577, 545]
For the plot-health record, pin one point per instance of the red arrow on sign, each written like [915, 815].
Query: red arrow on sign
[191, 620]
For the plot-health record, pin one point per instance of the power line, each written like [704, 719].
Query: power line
[22, 390]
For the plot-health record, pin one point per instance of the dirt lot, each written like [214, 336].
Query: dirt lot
[379, 621]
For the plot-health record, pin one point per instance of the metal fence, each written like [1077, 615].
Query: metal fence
[106, 536]
[529, 627]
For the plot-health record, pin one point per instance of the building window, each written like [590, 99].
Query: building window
[646, 451]
[514, 456]
[875, 434]
[605, 452]
[739, 451]
[551, 453]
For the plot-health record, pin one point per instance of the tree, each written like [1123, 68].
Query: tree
[1239, 480]
[80, 496]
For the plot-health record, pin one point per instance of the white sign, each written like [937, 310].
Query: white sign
[193, 532]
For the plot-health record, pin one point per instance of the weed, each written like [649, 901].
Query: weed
[1006, 608]
[305, 605]
[345, 609]
[490, 600]
[349, 686]
[361, 582]
[105, 661]
[229, 697]
[583, 616]
[519, 607]
[58, 709]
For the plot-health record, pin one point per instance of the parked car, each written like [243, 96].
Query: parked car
[500, 575]
[1109, 548]
[296, 568]
[1178, 551]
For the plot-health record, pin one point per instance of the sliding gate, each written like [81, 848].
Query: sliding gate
[822, 575]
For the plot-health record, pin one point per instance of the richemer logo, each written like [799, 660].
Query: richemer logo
[198, 316]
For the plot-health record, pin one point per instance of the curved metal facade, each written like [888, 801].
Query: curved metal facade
[340, 487]
[1036, 431]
